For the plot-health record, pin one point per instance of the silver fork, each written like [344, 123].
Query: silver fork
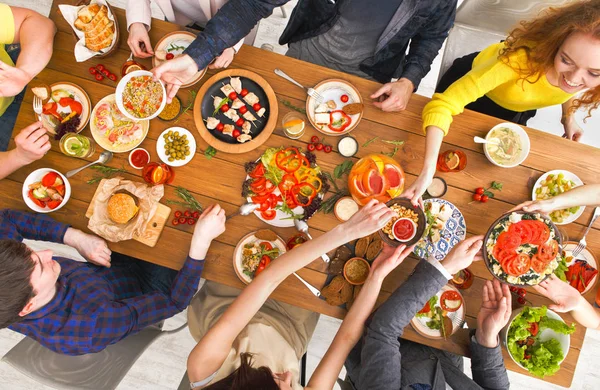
[582, 244]
[458, 322]
[311, 92]
[37, 106]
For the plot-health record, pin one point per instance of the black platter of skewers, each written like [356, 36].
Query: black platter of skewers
[208, 108]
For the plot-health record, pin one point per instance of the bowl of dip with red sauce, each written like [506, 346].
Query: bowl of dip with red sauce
[138, 158]
[404, 229]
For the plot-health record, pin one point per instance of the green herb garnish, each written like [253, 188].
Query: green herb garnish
[106, 172]
[188, 199]
[343, 168]
[369, 142]
[392, 153]
[393, 142]
[223, 102]
[291, 106]
[173, 47]
[210, 152]
[286, 209]
[189, 105]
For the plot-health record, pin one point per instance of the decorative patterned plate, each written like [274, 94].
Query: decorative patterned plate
[454, 231]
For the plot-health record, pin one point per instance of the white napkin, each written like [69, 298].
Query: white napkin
[82, 53]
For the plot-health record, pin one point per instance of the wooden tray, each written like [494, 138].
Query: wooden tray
[236, 147]
[153, 228]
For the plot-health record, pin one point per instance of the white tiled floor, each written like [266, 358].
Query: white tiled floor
[163, 364]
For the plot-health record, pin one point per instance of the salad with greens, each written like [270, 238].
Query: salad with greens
[540, 358]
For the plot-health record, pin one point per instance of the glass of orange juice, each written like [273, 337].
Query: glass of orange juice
[293, 125]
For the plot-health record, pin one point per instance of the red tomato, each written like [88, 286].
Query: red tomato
[220, 127]
[93, 70]
[519, 265]
[266, 246]
[314, 139]
[258, 199]
[538, 264]
[264, 262]
[258, 185]
[105, 72]
[258, 171]
[310, 147]
[244, 92]
[175, 222]
[60, 189]
[289, 200]
[548, 252]
[344, 98]
[224, 108]
[236, 133]
[170, 56]
[76, 106]
[484, 198]
[243, 110]
[480, 190]
[51, 179]
[196, 214]
[187, 213]
[450, 296]
[523, 230]
[100, 67]
[182, 220]
[99, 77]
[268, 215]
[112, 77]
[508, 241]
[425, 309]
[232, 96]
[177, 214]
[534, 328]
[53, 204]
[544, 234]
[477, 197]
[327, 148]
[191, 221]
[319, 146]
[256, 106]
[37, 202]
[265, 205]
[240, 122]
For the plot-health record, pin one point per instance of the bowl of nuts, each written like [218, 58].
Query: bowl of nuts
[407, 226]
[176, 146]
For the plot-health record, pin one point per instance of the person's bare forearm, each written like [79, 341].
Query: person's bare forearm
[586, 315]
[433, 142]
[587, 195]
[347, 336]
[9, 162]
[36, 36]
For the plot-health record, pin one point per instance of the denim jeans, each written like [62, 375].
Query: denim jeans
[8, 119]
[152, 277]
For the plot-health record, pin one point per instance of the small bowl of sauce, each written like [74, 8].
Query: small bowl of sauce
[345, 208]
[437, 188]
[404, 229]
[347, 146]
[138, 158]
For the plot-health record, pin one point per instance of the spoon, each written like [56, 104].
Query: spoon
[105, 157]
[479, 140]
[312, 288]
[244, 209]
[303, 228]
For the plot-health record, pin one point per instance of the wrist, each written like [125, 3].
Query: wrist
[450, 267]
[486, 340]
[199, 249]
[72, 237]
[18, 157]
[404, 80]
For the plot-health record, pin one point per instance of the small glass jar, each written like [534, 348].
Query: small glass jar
[463, 279]
[158, 173]
[293, 125]
[452, 161]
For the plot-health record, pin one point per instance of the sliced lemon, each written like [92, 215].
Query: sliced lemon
[379, 163]
[158, 174]
[452, 161]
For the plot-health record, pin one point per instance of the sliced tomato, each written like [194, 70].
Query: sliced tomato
[258, 171]
[258, 199]
[545, 234]
[264, 206]
[53, 204]
[273, 200]
[264, 262]
[75, 106]
[61, 190]
[548, 252]
[519, 265]
[448, 301]
[268, 215]
[289, 199]
[267, 246]
[507, 240]
[50, 179]
[538, 264]
[425, 309]
[521, 229]
[534, 328]
[65, 101]
[50, 109]
[37, 202]
[259, 185]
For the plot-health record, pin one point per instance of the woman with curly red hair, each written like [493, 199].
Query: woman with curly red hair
[552, 59]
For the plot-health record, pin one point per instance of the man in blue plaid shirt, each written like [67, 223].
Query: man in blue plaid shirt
[75, 307]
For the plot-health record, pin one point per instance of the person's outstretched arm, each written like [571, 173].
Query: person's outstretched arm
[380, 362]
[210, 352]
[349, 334]
[35, 33]
[32, 143]
[568, 300]
[586, 195]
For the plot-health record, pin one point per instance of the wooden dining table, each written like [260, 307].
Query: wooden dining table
[219, 179]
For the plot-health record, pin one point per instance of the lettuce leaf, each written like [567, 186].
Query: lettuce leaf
[561, 269]
[556, 325]
[272, 172]
[432, 301]
[545, 358]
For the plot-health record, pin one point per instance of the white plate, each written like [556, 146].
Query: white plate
[454, 231]
[160, 147]
[37, 176]
[420, 324]
[79, 95]
[237, 254]
[333, 90]
[121, 88]
[182, 39]
[568, 176]
[545, 335]
[100, 136]
[584, 255]
[525, 144]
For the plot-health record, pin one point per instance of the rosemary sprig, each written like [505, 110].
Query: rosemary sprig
[188, 199]
[393, 142]
[369, 142]
[189, 106]
[291, 106]
[106, 172]
[340, 170]
[173, 47]
[328, 205]
[391, 154]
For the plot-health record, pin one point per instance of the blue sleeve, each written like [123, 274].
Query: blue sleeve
[17, 225]
[231, 23]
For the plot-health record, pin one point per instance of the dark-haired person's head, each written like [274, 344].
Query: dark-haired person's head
[27, 280]
[247, 377]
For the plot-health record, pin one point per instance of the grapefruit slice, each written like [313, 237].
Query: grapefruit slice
[394, 176]
[374, 183]
[357, 185]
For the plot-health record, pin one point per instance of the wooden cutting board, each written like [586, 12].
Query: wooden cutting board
[154, 227]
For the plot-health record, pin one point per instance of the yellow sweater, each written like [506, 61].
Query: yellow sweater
[7, 35]
[498, 81]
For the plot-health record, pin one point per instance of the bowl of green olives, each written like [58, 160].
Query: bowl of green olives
[176, 146]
